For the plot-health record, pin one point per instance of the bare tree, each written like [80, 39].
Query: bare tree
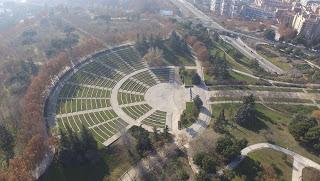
[154, 57]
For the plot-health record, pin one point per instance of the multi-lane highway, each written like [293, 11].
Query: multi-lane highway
[190, 10]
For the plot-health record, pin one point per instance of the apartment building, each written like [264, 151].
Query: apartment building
[223, 7]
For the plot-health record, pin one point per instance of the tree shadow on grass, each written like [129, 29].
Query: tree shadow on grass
[82, 172]
[258, 125]
[264, 117]
[249, 168]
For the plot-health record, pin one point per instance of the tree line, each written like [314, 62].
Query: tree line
[33, 138]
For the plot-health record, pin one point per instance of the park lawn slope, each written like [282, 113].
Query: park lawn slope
[310, 174]
[272, 126]
[265, 164]
[116, 160]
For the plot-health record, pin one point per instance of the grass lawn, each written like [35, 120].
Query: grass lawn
[273, 126]
[313, 91]
[215, 99]
[290, 100]
[232, 63]
[190, 106]
[272, 56]
[296, 109]
[310, 174]
[277, 61]
[235, 78]
[240, 77]
[188, 77]
[271, 164]
[256, 88]
[116, 161]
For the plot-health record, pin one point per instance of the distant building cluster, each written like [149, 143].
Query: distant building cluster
[301, 15]
[223, 7]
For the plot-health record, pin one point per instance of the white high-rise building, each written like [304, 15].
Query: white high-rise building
[223, 7]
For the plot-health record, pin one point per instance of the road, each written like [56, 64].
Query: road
[277, 82]
[187, 8]
[250, 53]
[299, 161]
[312, 64]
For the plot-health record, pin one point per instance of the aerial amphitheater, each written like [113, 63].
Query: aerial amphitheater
[112, 90]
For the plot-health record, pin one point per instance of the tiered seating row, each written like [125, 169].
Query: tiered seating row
[87, 119]
[105, 131]
[87, 94]
[157, 119]
[146, 78]
[72, 91]
[88, 79]
[115, 61]
[131, 57]
[137, 111]
[163, 74]
[104, 124]
[103, 71]
[126, 98]
[131, 85]
[76, 105]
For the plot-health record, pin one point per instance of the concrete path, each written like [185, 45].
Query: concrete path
[277, 82]
[204, 117]
[170, 98]
[299, 161]
[114, 98]
[262, 102]
[89, 86]
[83, 112]
[265, 94]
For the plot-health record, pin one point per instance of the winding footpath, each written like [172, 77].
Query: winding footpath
[299, 161]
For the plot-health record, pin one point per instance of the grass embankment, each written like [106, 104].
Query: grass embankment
[187, 78]
[272, 127]
[265, 164]
[116, 160]
[218, 51]
[275, 59]
[256, 88]
[190, 107]
[234, 78]
[310, 174]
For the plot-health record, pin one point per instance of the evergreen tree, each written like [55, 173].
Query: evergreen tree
[174, 41]
[6, 142]
[219, 67]
[155, 134]
[166, 131]
[196, 79]
[247, 114]
[198, 102]
[219, 123]
[87, 140]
